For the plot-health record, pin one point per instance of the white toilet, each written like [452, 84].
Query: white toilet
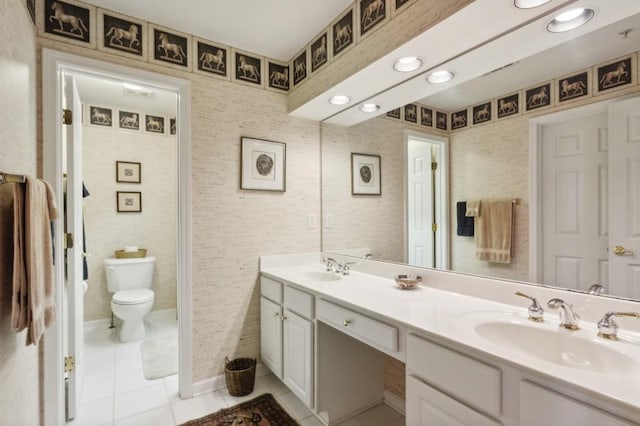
[130, 282]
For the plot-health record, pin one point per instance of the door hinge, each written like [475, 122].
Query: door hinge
[434, 227]
[69, 364]
[67, 117]
[434, 166]
[68, 241]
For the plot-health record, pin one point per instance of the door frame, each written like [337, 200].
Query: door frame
[443, 190]
[53, 64]
[535, 175]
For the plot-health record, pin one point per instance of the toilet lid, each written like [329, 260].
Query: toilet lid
[132, 297]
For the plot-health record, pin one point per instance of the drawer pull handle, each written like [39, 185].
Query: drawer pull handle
[276, 314]
[346, 322]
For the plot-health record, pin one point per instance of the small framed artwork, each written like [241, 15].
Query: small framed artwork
[169, 47]
[121, 34]
[129, 202]
[319, 52]
[71, 20]
[278, 76]
[508, 105]
[172, 126]
[128, 120]
[441, 120]
[211, 59]
[342, 31]
[31, 7]
[615, 74]
[537, 97]
[154, 124]
[459, 119]
[394, 113]
[372, 14]
[99, 116]
[262, 165]
[128, 172]
[482, 113]
[411, 113]
[426, 117]
[365, 174]
[399, 5]
[300, 68]
[573, 86]
[248, 68]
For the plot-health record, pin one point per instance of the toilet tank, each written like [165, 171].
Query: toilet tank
[129, 274]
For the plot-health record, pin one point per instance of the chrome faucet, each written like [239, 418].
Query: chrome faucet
[607, 327]
[536, 313]
[597, 289]
[568, 318]
[332, 264]
[345, 269]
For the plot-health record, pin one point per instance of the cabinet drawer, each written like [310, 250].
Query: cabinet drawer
[271, 289]
[464, 378]
[298, 301]
[427, 407]
[360, 326]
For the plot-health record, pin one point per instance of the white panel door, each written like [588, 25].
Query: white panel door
[298, 356]
[73, 222]
[420, 204]
[575, 195]
[624, 187]
[271, 335]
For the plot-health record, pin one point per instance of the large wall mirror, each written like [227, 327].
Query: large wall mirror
[571, 216]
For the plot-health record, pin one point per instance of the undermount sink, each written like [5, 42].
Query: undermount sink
[558, 346]
[321, 276]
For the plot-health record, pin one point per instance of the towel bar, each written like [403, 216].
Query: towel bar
[10, 178]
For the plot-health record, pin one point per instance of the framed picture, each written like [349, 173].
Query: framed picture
[615, 74]
[129, 202]
[426, 116]
[248, 68]
[69, 20]
[278, 76]
[342, 31]
[319, 52]
[262, 165]
[411, 113]
[128, 120]
[573, 86]
[99, 116]
[154, 124]
[300, 68]
[508, 105]
[459, 119]
[172, 126]
[212, 59]
[372, 13]
[128, 172]
[482, 113]
[394, 113]
[365, 174]
[441, 120]
[123, 35]
[169, 47]
[538, 97]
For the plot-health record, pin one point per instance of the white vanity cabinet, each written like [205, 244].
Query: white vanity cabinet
[286, 335]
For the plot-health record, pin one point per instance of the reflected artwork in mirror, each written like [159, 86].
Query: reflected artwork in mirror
[499, 147]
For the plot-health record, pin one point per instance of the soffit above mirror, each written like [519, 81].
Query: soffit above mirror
[527, 40]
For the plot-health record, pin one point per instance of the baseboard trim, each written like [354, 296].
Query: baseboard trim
[394, 401]
[219, 382]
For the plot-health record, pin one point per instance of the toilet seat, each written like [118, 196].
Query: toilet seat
[132, 297]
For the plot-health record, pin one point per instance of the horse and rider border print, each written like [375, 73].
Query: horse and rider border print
[121, 34]
[69, 20]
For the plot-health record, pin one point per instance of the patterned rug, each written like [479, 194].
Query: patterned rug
[260, 411]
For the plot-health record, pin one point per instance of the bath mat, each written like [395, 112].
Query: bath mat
[260, 411]
[159, 357]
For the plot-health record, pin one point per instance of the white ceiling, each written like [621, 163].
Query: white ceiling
[274, 28]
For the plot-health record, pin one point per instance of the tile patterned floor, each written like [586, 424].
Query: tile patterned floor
[115, 392]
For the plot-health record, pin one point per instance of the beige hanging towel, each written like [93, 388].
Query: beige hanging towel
[494, 231]
[473, 208]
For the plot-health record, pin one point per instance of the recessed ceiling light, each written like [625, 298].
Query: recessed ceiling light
[570, 20]
[339, 100]
[529, 4]
[407, 64]
[441, 76]
[369, 107]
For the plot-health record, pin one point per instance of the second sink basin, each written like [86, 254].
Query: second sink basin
[321, 276]
[558, 346]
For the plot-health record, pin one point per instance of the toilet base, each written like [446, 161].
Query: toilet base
[131, 330]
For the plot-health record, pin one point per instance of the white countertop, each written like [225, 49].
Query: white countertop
[452, 316]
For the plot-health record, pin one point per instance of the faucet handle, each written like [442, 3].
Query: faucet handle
[608, 328]
[536, 313]
[345, 268]
[597, 289]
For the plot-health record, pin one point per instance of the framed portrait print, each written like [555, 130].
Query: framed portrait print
[365, 174]
[128, 172]
[262, 165]
[129, 202]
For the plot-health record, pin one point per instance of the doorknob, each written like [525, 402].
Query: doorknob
[621, 251]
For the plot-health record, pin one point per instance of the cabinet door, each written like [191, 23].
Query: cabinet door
[429, 407]
[298, 356]
[271, 335]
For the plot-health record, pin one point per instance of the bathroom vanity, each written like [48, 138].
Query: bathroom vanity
[472, 356]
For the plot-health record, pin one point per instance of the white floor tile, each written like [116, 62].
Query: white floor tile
[129, 404]
[258, 389]
[159, 417]
[275, 385]
[193, 408]
[172, 384]
[293, 406]
[311, 421]
[94, 413]
[132, 382]
[380, 415]
[95, 388]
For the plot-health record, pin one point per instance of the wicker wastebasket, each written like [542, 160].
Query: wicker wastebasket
[240, 375]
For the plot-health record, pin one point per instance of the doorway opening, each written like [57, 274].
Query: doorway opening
[119, 137]
[426, 201]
